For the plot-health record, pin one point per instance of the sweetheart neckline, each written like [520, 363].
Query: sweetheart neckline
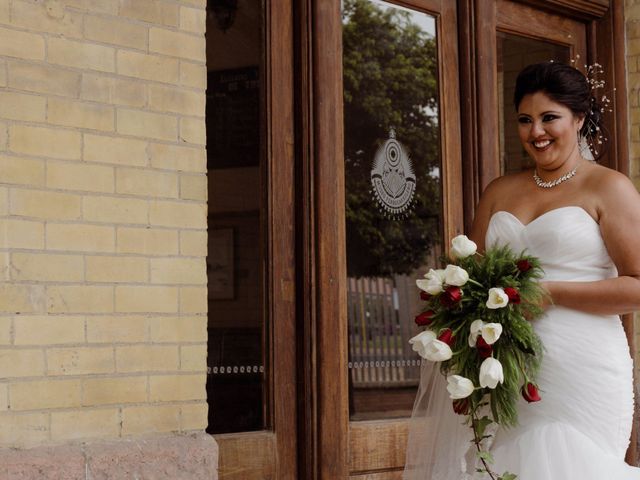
[525, 225]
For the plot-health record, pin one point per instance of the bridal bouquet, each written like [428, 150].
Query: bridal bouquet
[477, 317]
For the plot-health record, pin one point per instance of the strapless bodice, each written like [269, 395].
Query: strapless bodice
[567, 240]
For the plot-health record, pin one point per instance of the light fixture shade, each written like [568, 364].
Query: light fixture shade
[224, 12]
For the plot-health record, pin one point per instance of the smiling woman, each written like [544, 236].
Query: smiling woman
[555, 106]
[591, 274]
[514, 53]
[548, 131]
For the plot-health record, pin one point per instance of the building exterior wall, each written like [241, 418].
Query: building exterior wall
[103, 221]
[632, 28]
[103, 240]
[632, 21]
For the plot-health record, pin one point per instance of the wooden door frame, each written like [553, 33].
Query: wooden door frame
[479, 21]
[325, 358]
[308, 434]
[327, 443]
[484, 18]
[271, 453]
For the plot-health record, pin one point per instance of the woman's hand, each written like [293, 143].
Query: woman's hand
[547, 298]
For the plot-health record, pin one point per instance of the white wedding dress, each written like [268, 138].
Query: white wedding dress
[580, 430]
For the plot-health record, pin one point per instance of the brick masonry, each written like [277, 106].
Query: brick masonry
[632, 31]
[103, 221]
[632, 26]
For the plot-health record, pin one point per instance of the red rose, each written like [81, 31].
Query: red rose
[424, 296]
[484, 349]
[523, 265]
[446, 336]
[513, 294]
[530, 393]
[425, 318]
[451, 296]
[461, 406]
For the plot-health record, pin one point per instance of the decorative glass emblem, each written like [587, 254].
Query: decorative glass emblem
[392, 178]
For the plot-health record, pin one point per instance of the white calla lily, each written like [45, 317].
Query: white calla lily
[432, 288]
[497, 298]
[462, 247]
[432, 282]
[428, 346]
[491, 373]
[420, 342]
[475, 330]
[459, 387]
[491, 332]
[455, 275]
[438, 351]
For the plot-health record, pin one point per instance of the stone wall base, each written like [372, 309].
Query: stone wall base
[158, 457]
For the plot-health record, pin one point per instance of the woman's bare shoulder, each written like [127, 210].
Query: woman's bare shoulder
[504, 187]
[618, 204]
[608, 184]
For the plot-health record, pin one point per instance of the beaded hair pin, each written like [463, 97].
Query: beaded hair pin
[595, 138]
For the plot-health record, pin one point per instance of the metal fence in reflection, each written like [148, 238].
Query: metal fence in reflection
[379, 331]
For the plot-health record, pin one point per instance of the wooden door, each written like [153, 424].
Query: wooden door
[492, 34]
[506, 35]
[356, 436]
[381, 299]
[385, 89]
[332, 318]
[251, 386]
[513, 35]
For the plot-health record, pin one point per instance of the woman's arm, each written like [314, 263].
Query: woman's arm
[614, 296]
[619, 218]
[483, 212]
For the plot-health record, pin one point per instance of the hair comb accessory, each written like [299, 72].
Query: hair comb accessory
[592, 136]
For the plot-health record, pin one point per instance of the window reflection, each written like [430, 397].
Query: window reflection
[235, 382]
[514, 53]
[393, 195]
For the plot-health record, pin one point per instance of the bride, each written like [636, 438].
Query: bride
[583, 221]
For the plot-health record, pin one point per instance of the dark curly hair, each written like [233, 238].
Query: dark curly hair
[566, 85]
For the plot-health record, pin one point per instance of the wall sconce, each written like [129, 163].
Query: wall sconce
[224, 12]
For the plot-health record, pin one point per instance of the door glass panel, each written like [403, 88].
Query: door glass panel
[393, 196]
[235, 161]
[515, 53]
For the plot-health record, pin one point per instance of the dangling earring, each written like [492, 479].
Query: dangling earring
[583, 146]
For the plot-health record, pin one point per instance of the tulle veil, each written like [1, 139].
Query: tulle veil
[440, 444]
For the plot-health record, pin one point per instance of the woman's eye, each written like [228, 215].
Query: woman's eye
[524, 120]
[549, 118]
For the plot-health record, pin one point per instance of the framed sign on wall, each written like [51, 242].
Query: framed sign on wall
[220, 264]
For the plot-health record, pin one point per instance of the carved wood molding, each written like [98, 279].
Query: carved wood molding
[582, 9]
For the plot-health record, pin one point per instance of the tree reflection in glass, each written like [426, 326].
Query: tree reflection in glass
[390, 81]
[390, 88]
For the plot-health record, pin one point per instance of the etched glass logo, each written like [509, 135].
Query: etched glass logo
[392, 178]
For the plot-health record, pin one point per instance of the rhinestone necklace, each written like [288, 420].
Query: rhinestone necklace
[542, 184]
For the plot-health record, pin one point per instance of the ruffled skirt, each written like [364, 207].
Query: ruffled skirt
[581, 428]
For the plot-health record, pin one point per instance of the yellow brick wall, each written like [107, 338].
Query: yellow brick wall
[632, 27]
[102, 219]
